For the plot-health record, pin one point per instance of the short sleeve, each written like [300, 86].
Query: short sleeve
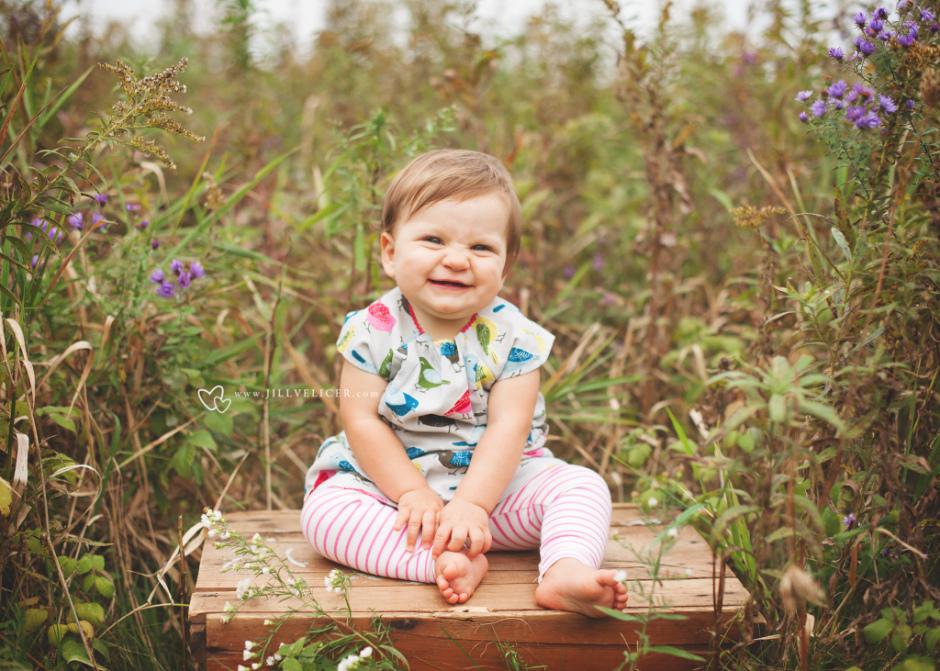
[530, 347]
[366, 339]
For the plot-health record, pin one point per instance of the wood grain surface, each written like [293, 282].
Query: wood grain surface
[502, 609]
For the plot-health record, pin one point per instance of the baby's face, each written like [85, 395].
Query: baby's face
[448, 258]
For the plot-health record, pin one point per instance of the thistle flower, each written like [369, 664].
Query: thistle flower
[176, 266]
[157, 277]
[887, 104]
[75, 221]
[860, 19]
[838, 89]
[818, 108]
[803, 96]
[836, 53]
[166, 290]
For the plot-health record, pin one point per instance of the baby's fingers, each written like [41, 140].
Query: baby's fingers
[440, 539]
[403, 514]
[477, 542]
[457, 539]
[428, 525]
[414, 525]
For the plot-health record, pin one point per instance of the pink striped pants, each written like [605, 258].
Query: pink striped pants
[564, 511]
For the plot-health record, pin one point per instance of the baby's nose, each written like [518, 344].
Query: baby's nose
[456, 259]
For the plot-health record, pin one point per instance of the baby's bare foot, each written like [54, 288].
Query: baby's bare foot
[570, 585]
[458, 575]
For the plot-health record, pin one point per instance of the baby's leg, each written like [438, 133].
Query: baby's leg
[568, 508]
[356, 530]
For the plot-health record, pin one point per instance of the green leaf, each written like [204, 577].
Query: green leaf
[105, 587]
[6, 497]
[35, 618]
[823, 412]
[878, 630]
[74, 651]
[93, 612]
[88, 584]
[675, 652]
[202, 439]
[98, 562]
[843, 245]
[220, 422]
[85, 564]
[183, 459]
[291, 664]
[56, 633]
[931, 638]
[68, 565]
[777, 408]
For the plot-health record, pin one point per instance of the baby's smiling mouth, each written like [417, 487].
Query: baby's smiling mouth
[448, 283]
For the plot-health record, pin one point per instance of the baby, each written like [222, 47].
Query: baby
[443, 455]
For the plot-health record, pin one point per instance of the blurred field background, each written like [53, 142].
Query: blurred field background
[745, 305]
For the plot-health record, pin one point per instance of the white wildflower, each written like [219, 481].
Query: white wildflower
[226, 619]
[246, 655]
[229, 608]
[256, 666]
[334, 582]
[277, 656]
[213, 532]
[652, 502]
[688, 572]
[266, 570]
[351, 662]
[673, 532]
[366, 652]
[620, 576]
[242, 668]
[270, 661]
[226, 535]
[268, 623]
[243, 588]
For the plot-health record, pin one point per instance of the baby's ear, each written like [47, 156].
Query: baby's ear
[387, 243]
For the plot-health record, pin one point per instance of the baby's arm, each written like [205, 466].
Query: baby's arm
[495, 460]
[381, 455]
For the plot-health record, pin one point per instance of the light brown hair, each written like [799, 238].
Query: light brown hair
[452, 174]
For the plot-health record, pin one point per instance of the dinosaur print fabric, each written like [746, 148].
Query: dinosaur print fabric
[437, 394]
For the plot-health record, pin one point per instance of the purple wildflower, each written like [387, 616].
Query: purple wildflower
[866, 47]
[143, 224]
[157, 276]
[926, 15]
[132, 208]
[885, 35]
[864, 91]
[887, 104]
[34, 260]
[598, 261]
[903, 5]
[909, 104]
[196, 270]
[569, 271]
[75, 221]
[608, 299]
[875, 26]
[934, 28]
[836, 53]
[102, 198]
[185, 281]
[851, 96]
[870, 120]
[55, 234]
[849, 519]
[176, 266]
[881, 13]
[95, 218]
[860, 19]
[803, 96]
[913, 29]
[803, 117]
[838, 104]
[166, 290]
[155, 244]
[749, 57]
[906, 40]
[818, 108]
[855, 113]
[838, 89]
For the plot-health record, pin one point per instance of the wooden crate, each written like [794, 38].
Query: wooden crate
[502, 609]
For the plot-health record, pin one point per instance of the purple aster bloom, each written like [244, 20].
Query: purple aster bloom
[881, 13]
[913, 28]
[838, 104]
[903, 5]
[858, 41]
[870, 120]
[934, 28]
[803, 117]
[887, 104]
[34, 260]
[926, 15]
[818, 108]
[838, 89]
[864, 91]
[860, 19]
[867, 48]
[185, 281]
[569, 271]
[885, 35]
[196, 270]
[102, 198]
[176, 266]
[803, 96]
[875, 26]
[156, 243]
[851, 96]
[856, 57]
[909, 104]
[95, 218]
[143, 224]
[156, 276]
[855, 113]
[598, 261]
[849, 519]
[75, 220]
[836, 53]
[166, 290]
[906, 40]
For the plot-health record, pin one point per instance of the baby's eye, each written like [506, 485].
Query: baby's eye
[433, 239]
[482, 247]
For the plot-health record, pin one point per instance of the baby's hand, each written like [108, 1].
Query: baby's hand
[461, 520]
[419, 509]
